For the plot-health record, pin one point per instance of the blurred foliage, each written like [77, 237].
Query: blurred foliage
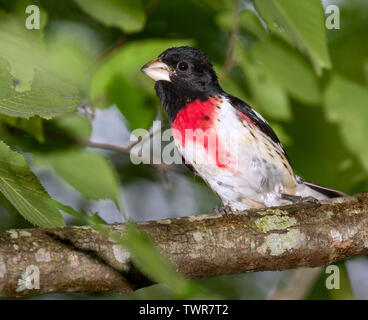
[21, 187]
[319, 290]
[66, 162]
[146, 257]
[75, 84]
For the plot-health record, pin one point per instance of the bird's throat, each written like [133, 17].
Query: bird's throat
[176, 98]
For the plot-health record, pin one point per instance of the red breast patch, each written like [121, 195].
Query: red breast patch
[196, 118]
[196, 115]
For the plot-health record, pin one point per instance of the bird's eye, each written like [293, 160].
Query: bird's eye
[182, 66]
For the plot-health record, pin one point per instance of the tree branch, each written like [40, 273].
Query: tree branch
[80, 259]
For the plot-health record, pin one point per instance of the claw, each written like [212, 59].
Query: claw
[223, 209]
[298, 199]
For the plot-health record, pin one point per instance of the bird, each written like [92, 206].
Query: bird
[239, 155]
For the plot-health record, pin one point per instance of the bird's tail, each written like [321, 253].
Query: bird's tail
[315, 190]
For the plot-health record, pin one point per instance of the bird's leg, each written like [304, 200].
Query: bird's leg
[222, 209]
[297, 199]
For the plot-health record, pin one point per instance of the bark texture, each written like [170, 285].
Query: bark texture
[80, 259]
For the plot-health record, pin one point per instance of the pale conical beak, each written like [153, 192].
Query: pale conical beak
[156, 70]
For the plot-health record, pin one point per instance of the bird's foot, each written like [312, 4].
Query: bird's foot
[222, 209]
[299, 199]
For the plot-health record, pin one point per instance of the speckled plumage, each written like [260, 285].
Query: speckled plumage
[248, 166]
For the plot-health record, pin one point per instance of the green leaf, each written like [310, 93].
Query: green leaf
[88, 172]
[77, 126]
[289, 69]
[88, 219]
[127, 61]
[246, 19]
[149, 260]
[22, 48]
[269, 97]
[70, 52]
[131, 100]
[33, 126]
[146, 256]
[21, 187]
[225, 20]
[346, 103]
[153, 264]
[300, 23]
[250, 22]
[125, 14]
[319, 291]
[48, 97]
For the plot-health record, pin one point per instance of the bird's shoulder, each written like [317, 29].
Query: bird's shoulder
[246, 110]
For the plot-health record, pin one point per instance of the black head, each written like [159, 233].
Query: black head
[182, 75]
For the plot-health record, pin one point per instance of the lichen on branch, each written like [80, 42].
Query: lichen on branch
[80, 259]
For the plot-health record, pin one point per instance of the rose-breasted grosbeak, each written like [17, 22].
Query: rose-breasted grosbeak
[249, 166]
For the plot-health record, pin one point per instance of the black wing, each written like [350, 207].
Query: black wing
[331, 193]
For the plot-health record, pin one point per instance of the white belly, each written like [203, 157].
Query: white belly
[255, 173]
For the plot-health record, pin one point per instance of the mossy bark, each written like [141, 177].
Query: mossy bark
[79, 259]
